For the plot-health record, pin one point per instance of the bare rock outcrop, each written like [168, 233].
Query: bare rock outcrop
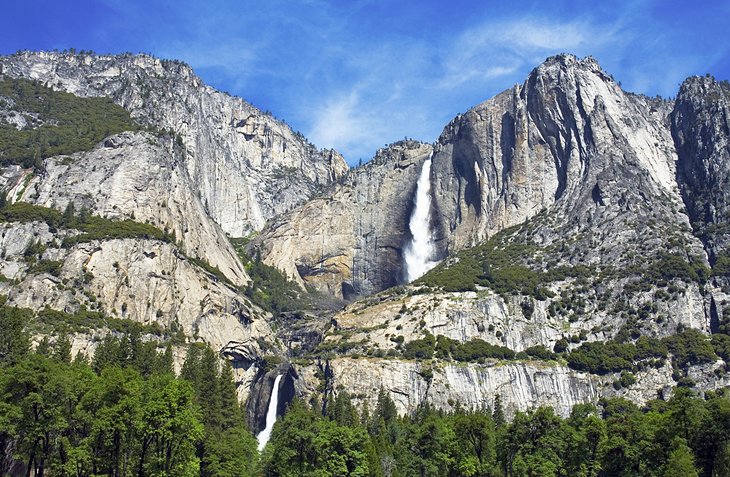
[350, 241]
[247, 166]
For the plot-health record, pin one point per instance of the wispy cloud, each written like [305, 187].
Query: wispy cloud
[495, 49]
[343, 120]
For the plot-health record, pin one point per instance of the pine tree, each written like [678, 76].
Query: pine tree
[109, 353]
[62, 349]
[385, 409]
[81, 359]
[69, 215]
[44, 347]
[191, 366]
[208, 390]
[14, 339]
[498, 414]
[231, 414]
[165, 361]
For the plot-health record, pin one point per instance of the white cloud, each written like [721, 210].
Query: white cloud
[545, 35]
[495, 49]
[344, 123]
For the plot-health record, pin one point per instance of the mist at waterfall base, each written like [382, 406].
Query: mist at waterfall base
[420, 250]
[265, 434]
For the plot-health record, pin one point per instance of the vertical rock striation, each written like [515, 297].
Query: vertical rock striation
[349, 242]
[246, 166]
[568, 137]
[701, 130]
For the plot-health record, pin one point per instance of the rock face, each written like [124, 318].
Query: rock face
[568, 136]
[568, 142]
[350, 241]
[136, 176]
[577, 183]
[520, 386]
[262, 391]
[593, 212]
[374, 324]
[247, 166]
[701, 129]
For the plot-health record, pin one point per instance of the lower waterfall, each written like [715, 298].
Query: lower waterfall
[265, 434]
[420, 251]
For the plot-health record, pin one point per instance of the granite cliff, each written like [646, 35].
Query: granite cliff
[571, 218]
[569, 212]
[348, 242]
[247, 166]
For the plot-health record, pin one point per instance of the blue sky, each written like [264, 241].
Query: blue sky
[355, 75]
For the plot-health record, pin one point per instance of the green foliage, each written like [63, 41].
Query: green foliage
[420, 349]
[58, 122]
[52, 267]
[270, 362]
[100, 228]
[684, 436]
[561, 345]
[14, 337]
[722, 265]
[528, 308]
[215, 271]
[681, 461]
[473, 350]
[92, 227]
[627, 379]
[303, 443]
[62, 418]
[227, 449]
[540, 352]
[49, 320]
[271, 289]
[62, 349]
[460, 276]
[128, 350]
[444, 346]
[509, 263]
[500, 263]
[672, 266]
[476, 349]
[25, 212]
[721, 346]
[131, 417]
[613, 356]
[690, 347]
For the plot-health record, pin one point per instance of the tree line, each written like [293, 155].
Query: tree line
[685, 436]
[125, 413]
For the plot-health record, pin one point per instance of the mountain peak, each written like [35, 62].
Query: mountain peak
[569, 61]
[558, 68]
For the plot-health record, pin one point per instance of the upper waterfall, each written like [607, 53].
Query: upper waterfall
[265, 434]
[419, 252]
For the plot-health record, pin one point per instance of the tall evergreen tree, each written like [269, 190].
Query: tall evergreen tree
[62, 349]
[14, 339]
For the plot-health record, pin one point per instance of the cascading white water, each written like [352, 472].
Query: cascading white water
[420, 251]
[264, 435]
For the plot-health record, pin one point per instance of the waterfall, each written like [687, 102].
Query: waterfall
[420, 251]
[264, 435]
